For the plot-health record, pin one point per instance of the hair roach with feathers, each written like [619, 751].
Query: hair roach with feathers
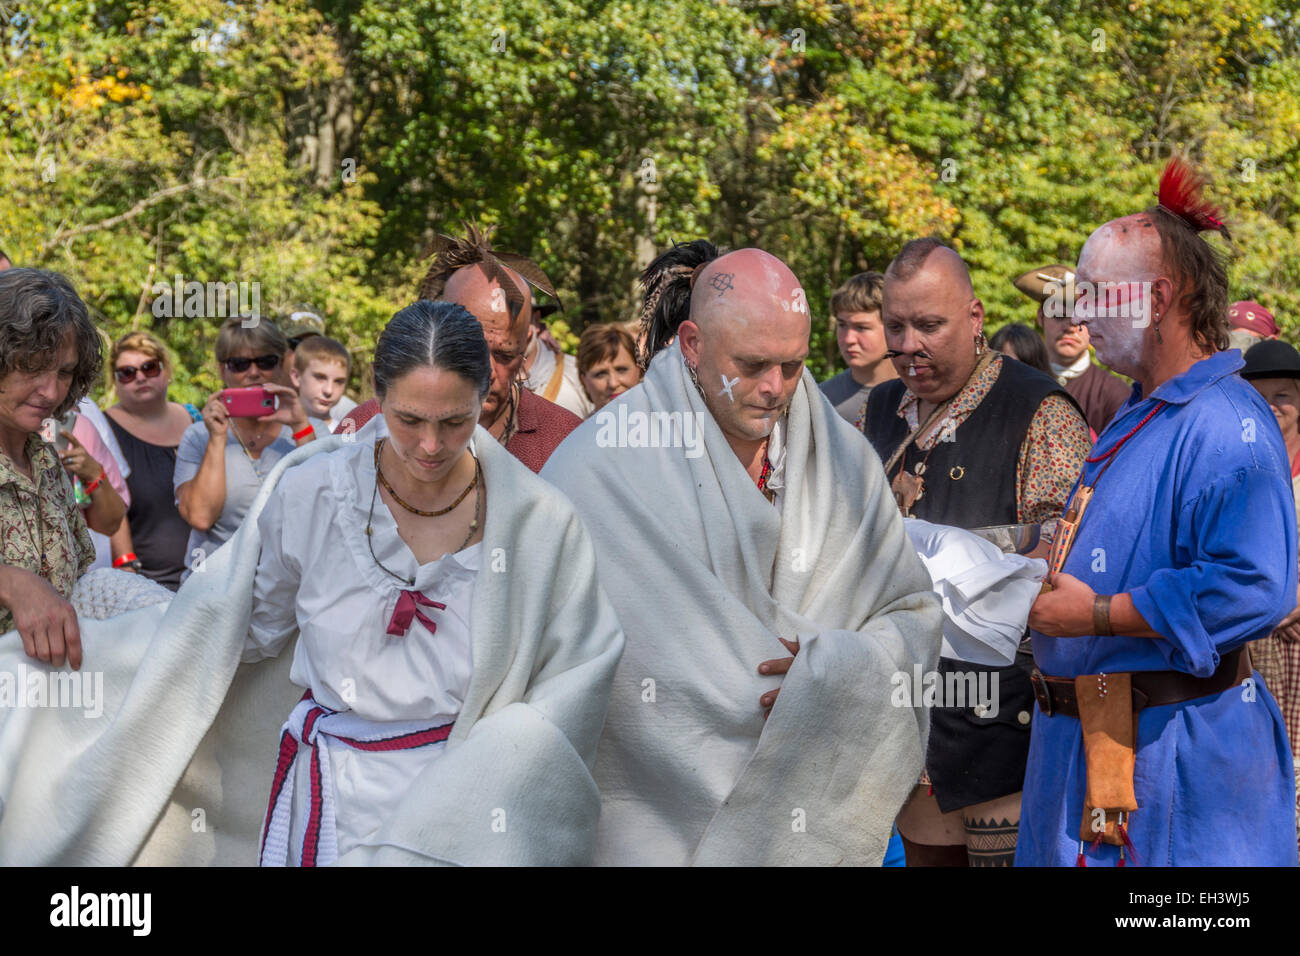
[450, 253]
[666, 285]
[1181, 193]
[1199, 271]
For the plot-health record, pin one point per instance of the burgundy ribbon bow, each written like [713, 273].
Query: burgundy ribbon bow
[407, 610]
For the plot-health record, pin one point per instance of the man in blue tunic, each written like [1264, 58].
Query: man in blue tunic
[1181, 557]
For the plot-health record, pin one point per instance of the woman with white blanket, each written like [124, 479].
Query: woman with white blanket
[177, 767]
[374, 554]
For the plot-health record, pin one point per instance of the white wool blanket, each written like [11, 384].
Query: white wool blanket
[705, 574]
[176, 767]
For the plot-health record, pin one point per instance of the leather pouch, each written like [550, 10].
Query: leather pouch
[1109, 735]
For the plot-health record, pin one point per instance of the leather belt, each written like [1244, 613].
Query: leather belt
[1057, 695]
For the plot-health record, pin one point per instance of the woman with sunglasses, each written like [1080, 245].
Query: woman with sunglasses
[149, 428]
[222, 461]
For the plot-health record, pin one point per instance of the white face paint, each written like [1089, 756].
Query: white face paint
[1114, 300]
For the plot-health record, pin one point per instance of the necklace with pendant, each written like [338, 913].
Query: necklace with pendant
[38, 539]
[374, 496]
[511, 425]
[255, 463]
[909, 488]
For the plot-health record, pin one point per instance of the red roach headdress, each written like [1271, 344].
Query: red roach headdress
[1181, 194]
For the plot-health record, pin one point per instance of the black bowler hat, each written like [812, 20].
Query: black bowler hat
[1272, 358]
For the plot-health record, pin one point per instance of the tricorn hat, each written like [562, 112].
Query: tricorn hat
[1042, 283]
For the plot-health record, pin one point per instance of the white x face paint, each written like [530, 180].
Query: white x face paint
[727, 386]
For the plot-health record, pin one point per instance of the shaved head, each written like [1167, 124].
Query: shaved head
[471, 287]
[1119, 285]
[932, 319]
[747, 339]
[748, 285]
[939, 262]
[1123, 249]
[507, 336]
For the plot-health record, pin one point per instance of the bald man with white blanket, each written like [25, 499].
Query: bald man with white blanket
[760, 528]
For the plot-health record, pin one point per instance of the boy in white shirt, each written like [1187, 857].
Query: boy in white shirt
[320, 374]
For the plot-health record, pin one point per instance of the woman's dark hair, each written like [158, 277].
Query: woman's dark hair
[667, 286]
[1025, 342]
[432, 335]
[38, 310]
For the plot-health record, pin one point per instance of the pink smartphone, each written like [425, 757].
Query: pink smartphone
[248, 402]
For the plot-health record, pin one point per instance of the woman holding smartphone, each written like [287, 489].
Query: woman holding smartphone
[222, 460]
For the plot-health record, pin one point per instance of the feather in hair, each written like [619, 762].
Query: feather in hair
[1181, 193]
[450, 253]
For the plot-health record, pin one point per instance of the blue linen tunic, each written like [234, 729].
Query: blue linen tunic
[1196, 520]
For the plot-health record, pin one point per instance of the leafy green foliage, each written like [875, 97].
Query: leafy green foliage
[315, 146]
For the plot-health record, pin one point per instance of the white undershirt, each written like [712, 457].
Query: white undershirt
[1064, 373]
[776, 455]
[570, 396]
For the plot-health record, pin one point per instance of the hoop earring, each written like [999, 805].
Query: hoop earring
[694, 375]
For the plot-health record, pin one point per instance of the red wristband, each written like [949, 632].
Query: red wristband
[95, 484]
[125, 559]
[299, 436]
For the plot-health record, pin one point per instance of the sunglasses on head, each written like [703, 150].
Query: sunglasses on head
[264, 362]
[126, 373]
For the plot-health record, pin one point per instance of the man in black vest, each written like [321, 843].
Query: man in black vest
[968, 440]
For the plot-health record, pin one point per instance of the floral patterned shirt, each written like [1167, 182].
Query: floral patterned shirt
[1051, 456]
[59, 527]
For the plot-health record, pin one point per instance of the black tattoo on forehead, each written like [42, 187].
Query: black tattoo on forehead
[722, 282]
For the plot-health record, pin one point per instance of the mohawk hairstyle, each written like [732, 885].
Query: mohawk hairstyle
[451, 253]
[1181, 193]
[667, 293]
[1181, 214]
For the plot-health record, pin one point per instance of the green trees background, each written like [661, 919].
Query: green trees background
[315, 146]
